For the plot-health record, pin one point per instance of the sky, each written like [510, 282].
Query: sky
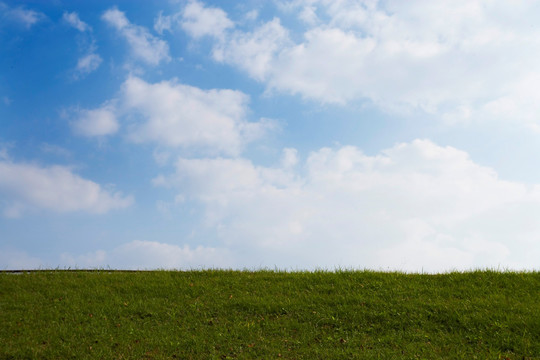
[295, 135]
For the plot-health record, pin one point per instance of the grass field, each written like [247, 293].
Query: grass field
[215, 314]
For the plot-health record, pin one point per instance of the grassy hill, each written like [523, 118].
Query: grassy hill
[216, 314]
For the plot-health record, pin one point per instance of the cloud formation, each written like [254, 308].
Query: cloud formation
[462, 61]
[162, 23]
[90, 61]
[414, 206]
[140, 255]
[96, 122]
[199, 20]
[255, 51]
[26, 187]
[172, 114]
[144, 45]
[18, 260]
[19, 15]
[179, 115]
[72, 18]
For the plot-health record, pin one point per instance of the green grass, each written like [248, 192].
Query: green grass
[269, 315]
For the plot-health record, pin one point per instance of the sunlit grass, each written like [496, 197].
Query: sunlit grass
[216, 314]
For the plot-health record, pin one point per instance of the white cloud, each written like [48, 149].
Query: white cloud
[96, 122]
[88, 63]
[414, 206]
[152, 255]
[27, 187]
[322, 66]
[74, 20]
[144, 45]
[178, 115]
[461, 60]
[252, 15]
[290, 158]
[309, 15]
[253, 52]
[199, 21]
[20, 15]
[174, 115]
[162, 23]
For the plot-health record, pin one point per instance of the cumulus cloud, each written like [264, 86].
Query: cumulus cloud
[414, 206]
[26, 187]
[96, 122]
[461, 60]
[140, 255]
[199, 20]
[254, 52]
[178, 115]
[74, 20]
[144, 45]
[174, 115]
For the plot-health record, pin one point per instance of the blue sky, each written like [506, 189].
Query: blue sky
[299, 134]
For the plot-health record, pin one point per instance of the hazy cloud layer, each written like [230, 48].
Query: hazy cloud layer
[140, 255]
[414, 206]
[17, 260]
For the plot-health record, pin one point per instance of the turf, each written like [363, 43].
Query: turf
[216, 314]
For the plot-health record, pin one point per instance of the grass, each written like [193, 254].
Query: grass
[216, 314]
